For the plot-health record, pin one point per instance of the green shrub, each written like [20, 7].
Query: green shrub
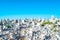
[54, 25]
[47, 22]
[7, 25]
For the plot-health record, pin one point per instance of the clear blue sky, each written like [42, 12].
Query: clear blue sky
[29, 8]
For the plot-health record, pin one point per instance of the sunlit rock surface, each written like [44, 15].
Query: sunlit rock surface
[30, 29]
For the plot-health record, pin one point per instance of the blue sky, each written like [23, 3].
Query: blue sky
[29, 8]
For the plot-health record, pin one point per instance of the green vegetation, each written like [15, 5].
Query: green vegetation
[42, 24]
[7, 25]
[47, 22]
[54, 25]
[55, 30]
